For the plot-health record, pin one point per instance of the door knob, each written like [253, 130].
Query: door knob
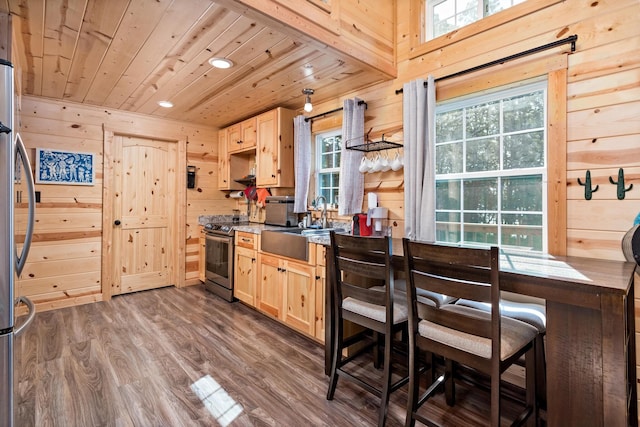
[116, 222]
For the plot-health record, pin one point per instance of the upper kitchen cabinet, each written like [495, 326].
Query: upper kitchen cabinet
[242, 136]
[274, 150]
[230, 167]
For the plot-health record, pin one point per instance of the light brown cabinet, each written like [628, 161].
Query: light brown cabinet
[230, 167]
[201, 258]
[245, 267]
[286, 291]
[320, 290]
[270, 286]
[274, 149]
[242, 136]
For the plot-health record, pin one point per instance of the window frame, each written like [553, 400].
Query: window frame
[418, 18]
[318, 161]
[492, 95]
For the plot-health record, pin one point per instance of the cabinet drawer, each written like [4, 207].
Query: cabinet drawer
[247, 240]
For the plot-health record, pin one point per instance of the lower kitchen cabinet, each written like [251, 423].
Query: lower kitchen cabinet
[300, 296]
[269, 296]
[245, 267]
[286, 291]
[245, 275]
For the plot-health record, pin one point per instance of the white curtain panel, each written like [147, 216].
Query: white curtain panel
[302, 161]
[351, 188]
[418, 112]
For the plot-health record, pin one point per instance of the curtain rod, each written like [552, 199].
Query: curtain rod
[571, 39]
[332, 111]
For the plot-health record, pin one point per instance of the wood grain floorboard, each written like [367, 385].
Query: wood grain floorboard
[131, 361]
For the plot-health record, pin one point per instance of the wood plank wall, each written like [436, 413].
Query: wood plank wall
[603, 108]
[64, 263]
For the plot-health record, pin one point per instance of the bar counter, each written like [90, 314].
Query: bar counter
[590, 343]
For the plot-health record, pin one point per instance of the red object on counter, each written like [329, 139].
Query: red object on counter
[361, 228]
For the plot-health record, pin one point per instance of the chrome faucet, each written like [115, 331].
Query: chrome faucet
[324, 209]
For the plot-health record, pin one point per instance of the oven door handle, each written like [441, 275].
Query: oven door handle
[220, 239]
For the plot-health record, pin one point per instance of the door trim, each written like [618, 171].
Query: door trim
[178, 233]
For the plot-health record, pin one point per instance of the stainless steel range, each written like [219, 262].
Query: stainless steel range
[219, 257]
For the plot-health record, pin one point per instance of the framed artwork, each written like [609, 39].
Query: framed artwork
[64, 167]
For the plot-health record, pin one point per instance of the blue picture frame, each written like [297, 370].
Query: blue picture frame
[64, 167]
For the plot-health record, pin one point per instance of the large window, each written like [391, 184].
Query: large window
[328, 165]
[444, 16]
[491, 169]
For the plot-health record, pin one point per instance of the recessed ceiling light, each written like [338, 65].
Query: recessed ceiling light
[165, 104]
[221, 62]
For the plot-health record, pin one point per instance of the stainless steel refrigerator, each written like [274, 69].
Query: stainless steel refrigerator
[14, 167]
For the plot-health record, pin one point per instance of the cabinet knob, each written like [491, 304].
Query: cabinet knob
[117, 222]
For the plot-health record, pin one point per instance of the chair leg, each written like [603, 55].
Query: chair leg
[449, 384]
[414, 381]
[541, 369]
[336, 356]
[531, 368]
[386, 378]
[495, 400]
[377, 352]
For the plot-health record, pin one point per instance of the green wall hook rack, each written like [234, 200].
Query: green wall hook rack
[620, 184]
[588, 190]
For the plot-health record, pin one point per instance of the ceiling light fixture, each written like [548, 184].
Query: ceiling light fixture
[307, 101]
[165, 104]
[221, 62]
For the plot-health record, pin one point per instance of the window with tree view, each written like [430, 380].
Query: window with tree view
[444, 16]
[328, 165]
[491, 169]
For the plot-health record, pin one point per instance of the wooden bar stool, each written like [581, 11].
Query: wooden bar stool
[485, 341]
[358, 263]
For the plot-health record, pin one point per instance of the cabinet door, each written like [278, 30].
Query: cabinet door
[223, 161]
[270, 284]
[234, 138]
[321, 285]
[249, 133]
[245, 275]
[300, 297]
[267, 149]
[201, 258]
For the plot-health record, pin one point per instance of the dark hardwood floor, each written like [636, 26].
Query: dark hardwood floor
[133, 361]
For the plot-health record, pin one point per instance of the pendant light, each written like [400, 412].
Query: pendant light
[307, 102]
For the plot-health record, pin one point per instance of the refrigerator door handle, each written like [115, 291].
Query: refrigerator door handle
[32, 312]
[22, 258]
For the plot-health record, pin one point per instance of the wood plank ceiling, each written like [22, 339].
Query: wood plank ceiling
[130, 54]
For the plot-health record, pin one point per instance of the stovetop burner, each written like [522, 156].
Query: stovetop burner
[223, 228]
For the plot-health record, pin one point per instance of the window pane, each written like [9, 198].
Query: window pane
[481, 233]
[481, 194]
[448, 217]
[522, 237]
[448, 195]
[449, 126]
[467, 16]
[448, 232]
[522, 193]
[525, 150]
[522, 219]
[444, 10]
[483, 155]
[524, 112]
[483, 120]
[449, 158]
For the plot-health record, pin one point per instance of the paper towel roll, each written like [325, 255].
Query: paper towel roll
[237, 194]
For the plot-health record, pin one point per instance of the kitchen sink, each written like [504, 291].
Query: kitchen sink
[291, 242]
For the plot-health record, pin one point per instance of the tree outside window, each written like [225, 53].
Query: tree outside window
[491, 169]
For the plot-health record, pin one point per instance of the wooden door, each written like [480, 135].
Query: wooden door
[300, 308]
[270, 284]
[245, 275]
[144, 211]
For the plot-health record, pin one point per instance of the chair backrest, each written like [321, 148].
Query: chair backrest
[360, 263]
[468, 273]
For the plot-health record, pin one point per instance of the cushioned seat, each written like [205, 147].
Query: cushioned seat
[533, 314]
[425, 296]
